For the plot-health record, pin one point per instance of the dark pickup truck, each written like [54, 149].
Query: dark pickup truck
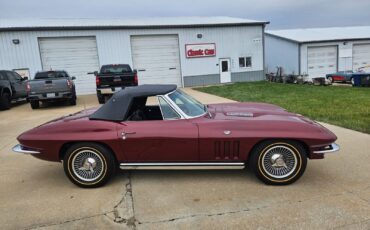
[55, 85]
[113, 78]
[12, 87]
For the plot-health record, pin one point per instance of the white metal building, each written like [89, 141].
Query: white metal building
[318, 51]
[186, 51]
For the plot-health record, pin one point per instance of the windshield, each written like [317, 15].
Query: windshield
[187, 104]
[115, 69]
[51, 74]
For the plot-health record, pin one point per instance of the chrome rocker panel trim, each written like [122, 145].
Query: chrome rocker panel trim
[18, 149]
[182, 166]
[334, 147]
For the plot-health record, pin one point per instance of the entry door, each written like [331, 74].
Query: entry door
[225, 70]
[159, 141]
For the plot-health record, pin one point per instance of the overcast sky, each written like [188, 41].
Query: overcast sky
[280, 13]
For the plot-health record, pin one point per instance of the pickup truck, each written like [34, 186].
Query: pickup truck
[51, 86]
[12, 87]
[113, 78]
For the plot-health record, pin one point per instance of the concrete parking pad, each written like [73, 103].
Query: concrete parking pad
[333, 193]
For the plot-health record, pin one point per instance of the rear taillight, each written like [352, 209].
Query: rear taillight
[28, 87]
[97, 79]
[69, 83]
[136, 81]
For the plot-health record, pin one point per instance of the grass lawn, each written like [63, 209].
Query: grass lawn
[348, 107]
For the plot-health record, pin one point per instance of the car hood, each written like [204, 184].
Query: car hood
[262, 114]
[246, 110]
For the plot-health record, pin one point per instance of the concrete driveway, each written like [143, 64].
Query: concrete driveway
[334, 193]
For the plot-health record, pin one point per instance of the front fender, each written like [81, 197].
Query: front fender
[6, 87]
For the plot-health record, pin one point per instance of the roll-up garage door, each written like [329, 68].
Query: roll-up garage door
[361, 57]
[157, 59]
[321, 60]
[76, 55]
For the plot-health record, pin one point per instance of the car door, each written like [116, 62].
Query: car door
[18, 85]
[170, 140]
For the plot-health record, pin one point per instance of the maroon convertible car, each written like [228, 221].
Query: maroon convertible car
[178, 133]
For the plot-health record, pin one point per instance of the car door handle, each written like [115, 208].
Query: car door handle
[142, 70]
[124, 134]
[172, 68]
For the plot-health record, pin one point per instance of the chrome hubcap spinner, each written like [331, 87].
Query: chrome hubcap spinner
[279, 161]
[87, 165]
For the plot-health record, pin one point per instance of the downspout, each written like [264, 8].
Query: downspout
[263, 50]
[299, 58]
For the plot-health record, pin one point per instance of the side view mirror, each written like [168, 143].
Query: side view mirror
[24, 78]
[73, 78]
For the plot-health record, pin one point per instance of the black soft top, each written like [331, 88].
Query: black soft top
[116, 108]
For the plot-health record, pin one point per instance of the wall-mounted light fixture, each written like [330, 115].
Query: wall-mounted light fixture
[16, 41]
[199, 36]
[344, 43]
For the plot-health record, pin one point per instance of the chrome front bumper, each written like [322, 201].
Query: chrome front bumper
[331, 148]
[19, 149]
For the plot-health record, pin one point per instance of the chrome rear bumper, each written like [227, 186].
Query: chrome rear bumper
[331, 148]
[19, 149]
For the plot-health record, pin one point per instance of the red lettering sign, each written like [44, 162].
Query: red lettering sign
[200, 50]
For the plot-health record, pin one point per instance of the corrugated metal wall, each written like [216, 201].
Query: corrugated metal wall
[280, 52]
[345, 53]
[114, 47]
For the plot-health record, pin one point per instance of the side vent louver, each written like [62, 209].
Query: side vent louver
[227, 150]
[218, 149]
[236, 149]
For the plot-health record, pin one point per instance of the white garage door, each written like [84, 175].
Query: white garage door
[157, 59]
[361, 57]
[76, 55]
[321, 60]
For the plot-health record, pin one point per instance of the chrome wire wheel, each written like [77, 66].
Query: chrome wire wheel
[279, 161]
[87, 165]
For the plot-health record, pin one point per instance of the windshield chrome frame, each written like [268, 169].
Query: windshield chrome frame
[160, 107]
[177, 109]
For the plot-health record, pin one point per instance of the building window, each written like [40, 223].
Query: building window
[245, 62]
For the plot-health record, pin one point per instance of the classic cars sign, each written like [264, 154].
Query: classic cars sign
[200, 50]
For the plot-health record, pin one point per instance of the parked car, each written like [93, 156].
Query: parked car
[361, 79]
[47, 86]
[178, 133]
[12, 87]
[113, 78]
[342, 76]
